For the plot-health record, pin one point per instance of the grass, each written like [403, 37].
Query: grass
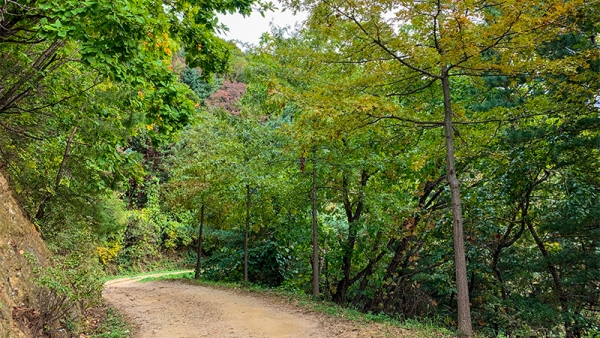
[136, 274]
[424, 327]
[171, 275]
[113, 326]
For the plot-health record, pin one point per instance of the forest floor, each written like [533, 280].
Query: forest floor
[180, 309]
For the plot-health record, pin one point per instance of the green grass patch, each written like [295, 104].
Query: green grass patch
[113, 326]
[169, 276]
[136, 274]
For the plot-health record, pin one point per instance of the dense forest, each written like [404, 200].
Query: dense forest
[432, 159]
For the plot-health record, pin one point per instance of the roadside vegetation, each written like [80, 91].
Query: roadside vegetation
[111, 324]
[426, 161]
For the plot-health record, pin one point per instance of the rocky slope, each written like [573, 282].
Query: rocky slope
[21, 250]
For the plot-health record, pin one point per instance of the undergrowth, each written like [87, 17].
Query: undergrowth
[113, 326]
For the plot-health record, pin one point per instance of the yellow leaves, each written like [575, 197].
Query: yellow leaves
[330, 207]
[160, 42]
[30, 165]
[554, 247]
[150, 126]
[558, 7]
[419, 163]
[65, 182]
[171, 241]
[107, 254]
[561, 10]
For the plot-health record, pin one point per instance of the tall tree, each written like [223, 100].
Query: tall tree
[424, 45]
[101, 68]
[315, 228]
[202, 165]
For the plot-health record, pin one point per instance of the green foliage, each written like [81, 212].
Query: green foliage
[113, 326]
[353, 95]
[66, 287]
[170, 275]
[526, 145]
[150, 236]
[141, 241]
[267, 262]
[76, 277]
[88, 94]
[199, 85]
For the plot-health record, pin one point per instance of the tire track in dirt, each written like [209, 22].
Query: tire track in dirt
[181, 310]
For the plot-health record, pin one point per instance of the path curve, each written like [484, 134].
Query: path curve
[180, 309]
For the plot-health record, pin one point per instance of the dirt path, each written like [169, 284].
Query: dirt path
[184, 310]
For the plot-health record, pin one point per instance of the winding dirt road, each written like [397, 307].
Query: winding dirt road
[179, 309]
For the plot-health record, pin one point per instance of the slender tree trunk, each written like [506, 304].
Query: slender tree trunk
[19, 90]
[200, 240]
[353, 218]
[47, 196]
[506, 242]
[426, 201]
[377, 301]
[465, 327]
[570, 331]
[315, 235]
[248, 200]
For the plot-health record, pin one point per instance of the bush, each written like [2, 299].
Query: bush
[66, 288]
[266, 261]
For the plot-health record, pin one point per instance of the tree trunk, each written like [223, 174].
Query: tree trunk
[47, 196]
[377, 301]
[426, 204]
[570, 331]
[465, 327]
[200, 240]
[315, 235]
[246, 234]
[353, 218]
